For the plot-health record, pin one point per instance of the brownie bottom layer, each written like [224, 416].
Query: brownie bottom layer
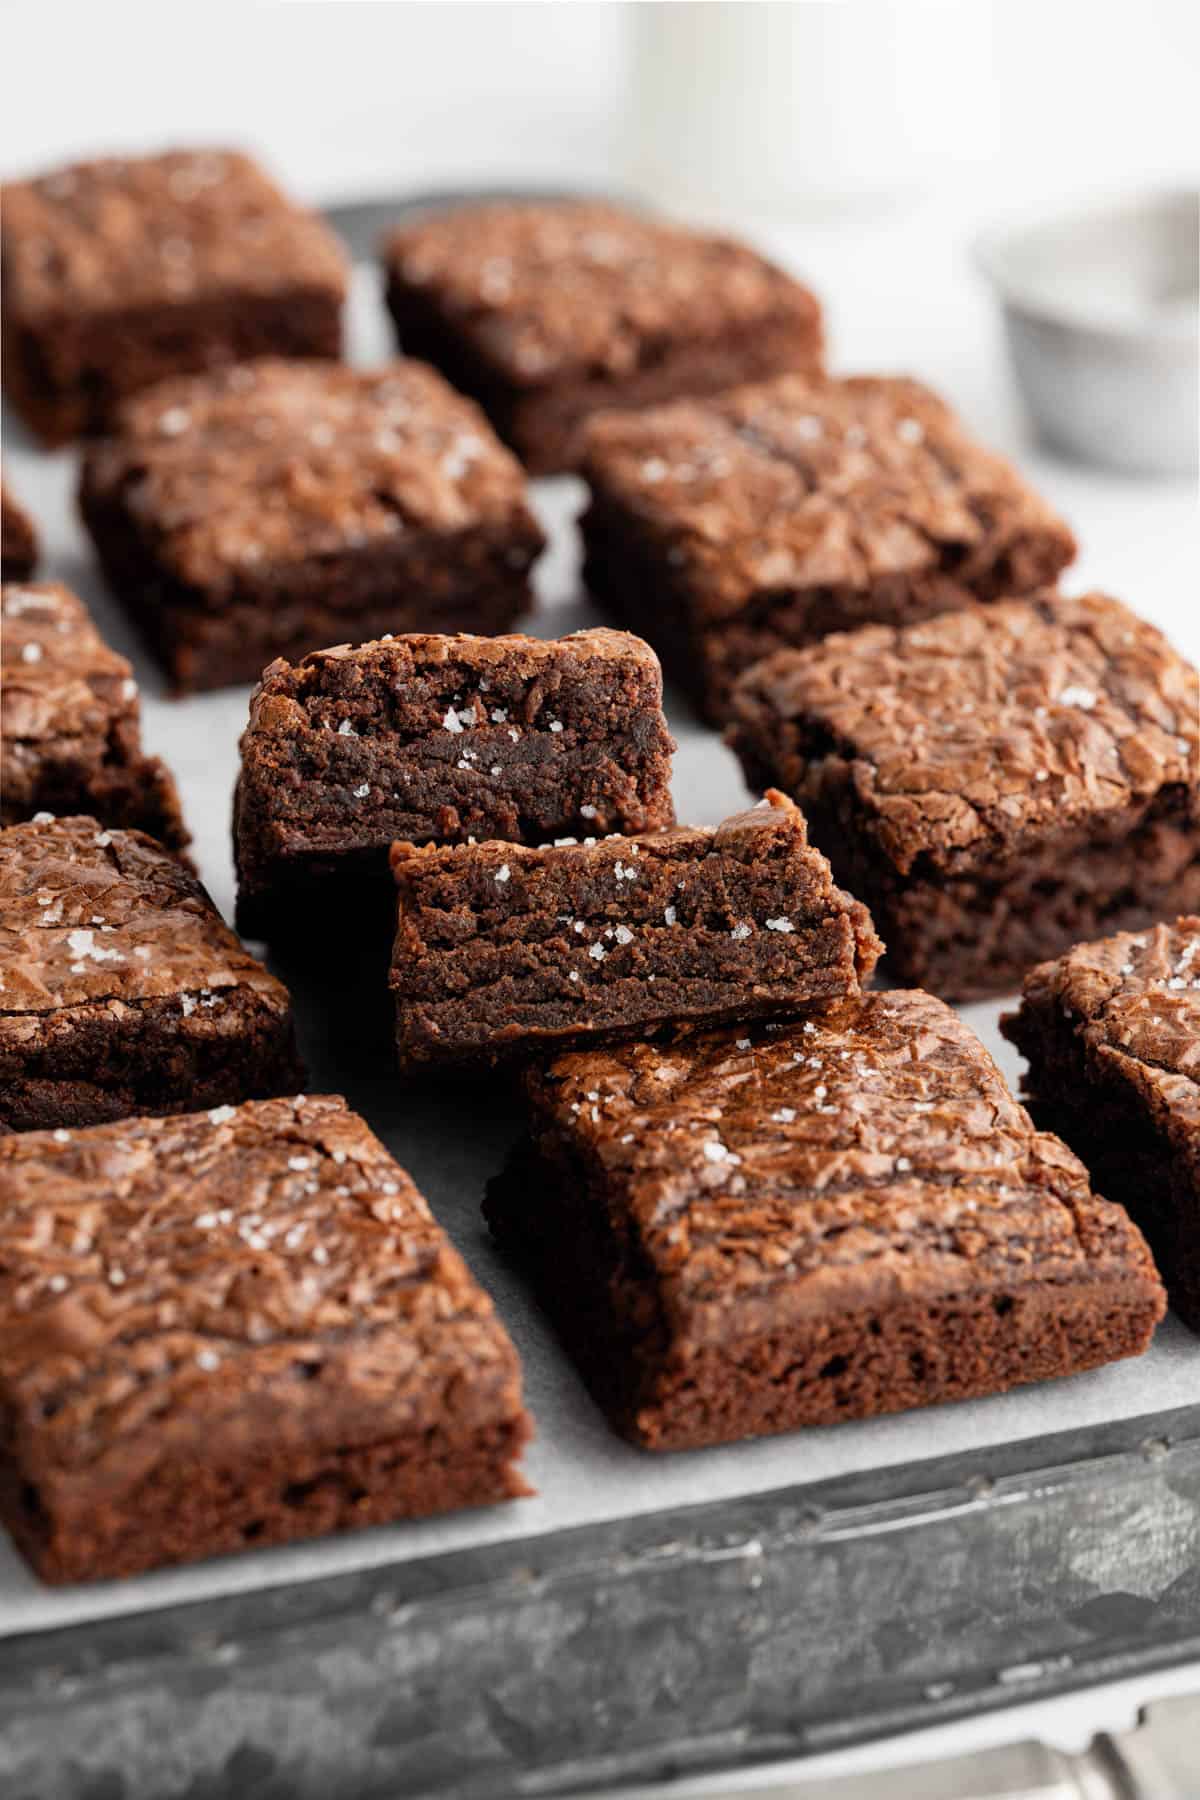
[971, 936]
[191, 1510]
[822, 1371]
[88, 1066]
[140, 796]
[628, 576]
[544, 425]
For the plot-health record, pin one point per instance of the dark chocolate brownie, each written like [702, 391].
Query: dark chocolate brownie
[234, 1329]
[1111, 1032]
[548, 312]
[435, 740]
[70, 722]
[811, 1223]
[727, 528]
[18, 539]
[995, 784]
[506, 951]
[120, 272]
[121, 989]
[275, 507]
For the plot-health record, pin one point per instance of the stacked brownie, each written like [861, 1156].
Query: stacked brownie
[279, 506]
[70, 727]
[549, 313]
[120, 272]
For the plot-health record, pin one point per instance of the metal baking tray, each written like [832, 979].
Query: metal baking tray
[641, 1615]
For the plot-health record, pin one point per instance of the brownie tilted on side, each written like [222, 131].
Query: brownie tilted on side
[438, 739]
[995, 785]
[70, 721]
[820, 1222]
[1111, 1032]
[549, 312]
[120, 272]
[18, 538]
[726, 528]
[121, 989]
[275, 507]
[233, 1329]
[503, 951]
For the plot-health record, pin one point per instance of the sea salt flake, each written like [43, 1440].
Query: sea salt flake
[556, 725]
[502, 873]
[221, 1115]
[299, 1163]
[208, 1360]
[785, 1115]
[780, 925]
[597, 952]
[625, 936]
[670, 915]
[717, 1152]
[743, 1043]
[346, 729]
[362, 790]
[910, 431]
[58, 1284]
[1082, 697]
[499, 714]
[31, 653]
[741, 930]
[587, 812]
[61, 1136]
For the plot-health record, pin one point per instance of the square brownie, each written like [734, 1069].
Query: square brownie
[436, 739]
[995, 784]
[548, 312]
[730, 527]
[275, 507]
[234, 1329]
[1111, 1032]
[505, 951]
[811, 1223]
[121, 988]
[121, 272]
[18, 539]
[70, 721]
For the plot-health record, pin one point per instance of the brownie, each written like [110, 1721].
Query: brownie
[234, 1329]
[811, 1223]
[771, 516]
[548, 312]
[506, 951]
[436, 739]
[120, 272]
[275, 507]
[18, 539]
[121, 989]
[70, 721]
[995, 784]
[1111, 1032]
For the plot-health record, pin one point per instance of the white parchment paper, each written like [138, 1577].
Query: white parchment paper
[900, 300]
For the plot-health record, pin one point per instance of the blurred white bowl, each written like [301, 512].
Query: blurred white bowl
[1102, 314]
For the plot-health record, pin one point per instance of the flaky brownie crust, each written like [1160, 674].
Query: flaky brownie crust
[774, 514]
[123, 989]
[1111, 1032]
[278, 505]
[235, 1327]
[504, 951]
[994, 784]
[18, 539]
[122, 271]
[428, 737]
[70, 721]
[812, 1223]
[547, 312]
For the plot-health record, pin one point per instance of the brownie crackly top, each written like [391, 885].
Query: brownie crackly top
[110, 918]
[971, 732]
[548, 291]
[260, 1275]
[802, 481]
[148, 231]
[279, 461]
[1133, 1004]
[839, 1162]
[61, 680]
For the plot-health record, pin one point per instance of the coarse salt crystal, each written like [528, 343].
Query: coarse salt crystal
[741, 931]
[502, 873]
[1083, 697]
[780, 925]
[221, 1115]
[597, 952]
[31, 653]
[785, 1115]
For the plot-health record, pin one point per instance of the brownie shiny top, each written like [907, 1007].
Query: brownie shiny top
[254, 1278]
[804, 481]
[61, 680]
[107, 919]
[816, 1167]
[975, 731]
[584, 289]
[1133, 1004]
[279, 461]
[158, 230]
